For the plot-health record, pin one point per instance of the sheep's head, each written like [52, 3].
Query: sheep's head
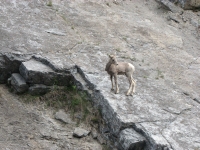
[113, 59]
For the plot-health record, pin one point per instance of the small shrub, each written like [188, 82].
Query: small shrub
[108, 4]
[118, 49]
[50, 4]
[159, 74]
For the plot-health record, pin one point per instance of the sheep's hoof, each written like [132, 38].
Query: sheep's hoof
[112, 89]
[116, 92]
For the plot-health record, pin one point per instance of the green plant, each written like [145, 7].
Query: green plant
[118, 49]
[72, 27]
[68, 98]
[133, 59]
[125, 39]
[106, 147]
[145, 77]
[95, 120]
[108, 4]
[64, 18]
[159, 74]
[50, 4]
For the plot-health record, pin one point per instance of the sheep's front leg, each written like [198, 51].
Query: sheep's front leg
[116, 84]
[130, 87]
[111, 79]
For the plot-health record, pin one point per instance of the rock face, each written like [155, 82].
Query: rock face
[189, 4]
[72, 39]
[79, 132]
[18, 83]
[38, 89]
[36, 72]
[130, 139]
[62, 116]
[9, 63]
[185, 4]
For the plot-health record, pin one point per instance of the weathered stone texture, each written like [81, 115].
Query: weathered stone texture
[9, 63]
[80, 132]
[38, 89]
[189, 4]
[129, 139]
[36, 72]
[62, 116]
[78, 35]
[18, 83]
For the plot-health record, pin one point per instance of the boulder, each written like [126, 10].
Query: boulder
[189, 4]
[62, 116]
[79, 132]
[36, 72]
[18, 83]
[130, 139]
[9, 63]
[185, 4]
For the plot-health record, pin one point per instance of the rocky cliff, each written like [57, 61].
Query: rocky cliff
[70, 41]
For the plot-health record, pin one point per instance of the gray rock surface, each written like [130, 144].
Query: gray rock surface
[165, 53]
[189, 4]
[62, 116]
[185, 4]
[36, 72]
[10, 62]
[18, 83]
[130, 139]
[94, 134]
[38, 89]
[80, 132]
[171, 6]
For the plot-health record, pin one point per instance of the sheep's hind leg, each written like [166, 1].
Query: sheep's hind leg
[134, 84]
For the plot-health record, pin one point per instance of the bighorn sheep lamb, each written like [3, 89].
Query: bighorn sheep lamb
[115, 68]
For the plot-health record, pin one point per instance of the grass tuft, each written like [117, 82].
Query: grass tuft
[70, 99]
[50, 4]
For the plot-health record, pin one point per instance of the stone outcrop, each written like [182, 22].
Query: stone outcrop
[11, 61]
[80, 132]
[62, 116]
[189, 4]
[185, 4]
[130, 139]
[35, 72]
[18, 83]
